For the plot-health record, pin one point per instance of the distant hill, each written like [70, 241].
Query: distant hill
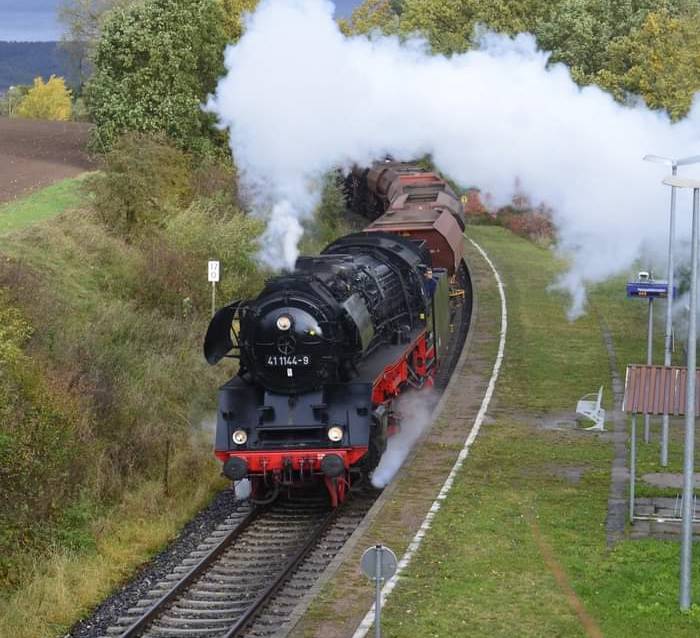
[21, 62]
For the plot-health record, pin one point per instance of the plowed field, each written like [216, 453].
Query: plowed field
[35, 153]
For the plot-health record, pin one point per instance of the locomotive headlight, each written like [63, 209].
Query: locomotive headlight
[240, 437]
[335, 433]
[284, 323]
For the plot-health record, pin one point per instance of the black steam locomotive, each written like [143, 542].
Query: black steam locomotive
[323, 351]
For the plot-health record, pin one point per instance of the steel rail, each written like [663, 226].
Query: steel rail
[291, 565]
[181, 585]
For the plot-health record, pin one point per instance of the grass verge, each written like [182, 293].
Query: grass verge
[65, 584]
[482, 570]
[519, 546]
[41, 204]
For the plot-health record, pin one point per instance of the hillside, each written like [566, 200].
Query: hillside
[21, 62]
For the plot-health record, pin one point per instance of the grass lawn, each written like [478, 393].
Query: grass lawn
[519, 547]
[41, 204]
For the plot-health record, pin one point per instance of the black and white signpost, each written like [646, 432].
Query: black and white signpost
[378, 564]
[214, 279]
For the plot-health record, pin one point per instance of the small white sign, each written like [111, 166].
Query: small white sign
[214, 271]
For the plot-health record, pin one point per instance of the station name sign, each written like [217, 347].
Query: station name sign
[649, 289]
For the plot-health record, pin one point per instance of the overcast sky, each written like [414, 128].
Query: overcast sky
[32, 20]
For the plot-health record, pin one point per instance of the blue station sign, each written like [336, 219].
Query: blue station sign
[649, 289]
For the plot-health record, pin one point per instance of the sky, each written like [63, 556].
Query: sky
[35, 20]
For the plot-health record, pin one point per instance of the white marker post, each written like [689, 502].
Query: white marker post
[214, 279]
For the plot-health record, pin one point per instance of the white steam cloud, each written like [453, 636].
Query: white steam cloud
[415, 409]
[300, 98]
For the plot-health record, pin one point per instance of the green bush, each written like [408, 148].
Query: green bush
[212, 229]
[145, 179]
[155, 63]
[42, 455]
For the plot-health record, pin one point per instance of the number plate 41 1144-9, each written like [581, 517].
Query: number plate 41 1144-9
[284, 360]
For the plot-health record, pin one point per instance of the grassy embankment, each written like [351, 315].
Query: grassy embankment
[41, 204]
[527, 513]
[102, 456]
[99, 407]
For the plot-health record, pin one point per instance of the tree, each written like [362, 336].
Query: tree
[154, 66]
[450, 24]
[659, 61]
[83, 20]
[643, 47]
[580, 32]
[46, 101]
[372, 15]
[234, 10]
[12, 98]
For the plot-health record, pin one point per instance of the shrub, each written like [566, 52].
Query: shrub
[144, 180]
[533, 224]
[46, 101]
[211, 229]
[41, 453]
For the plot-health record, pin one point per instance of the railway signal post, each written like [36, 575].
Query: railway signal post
[674, 164]
[213, 272]
[689, 446]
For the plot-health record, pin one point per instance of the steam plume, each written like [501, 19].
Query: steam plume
[415, 410]
[300, 98]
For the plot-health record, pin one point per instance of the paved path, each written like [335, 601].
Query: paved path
[619, 484]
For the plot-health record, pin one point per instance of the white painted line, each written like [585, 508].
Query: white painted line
[367, 621]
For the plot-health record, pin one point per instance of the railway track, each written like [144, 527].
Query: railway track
[246, 578]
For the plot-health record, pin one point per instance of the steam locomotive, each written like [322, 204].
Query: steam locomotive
[326, 349]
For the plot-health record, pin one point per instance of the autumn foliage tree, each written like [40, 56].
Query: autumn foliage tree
[649, 48]
[46, 100]
[659, 61]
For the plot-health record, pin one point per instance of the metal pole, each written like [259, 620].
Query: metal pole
[378, 593]
[650, 345]
[688, 452]
[633, 464]
[213, 298]
[669, 315]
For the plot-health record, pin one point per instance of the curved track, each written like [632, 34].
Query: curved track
[249, 575]
[251, 565]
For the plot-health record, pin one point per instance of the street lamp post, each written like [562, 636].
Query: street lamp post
[689, 451]
[668, 335]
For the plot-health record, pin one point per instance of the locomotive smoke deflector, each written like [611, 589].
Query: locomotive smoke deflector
[220, 337]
